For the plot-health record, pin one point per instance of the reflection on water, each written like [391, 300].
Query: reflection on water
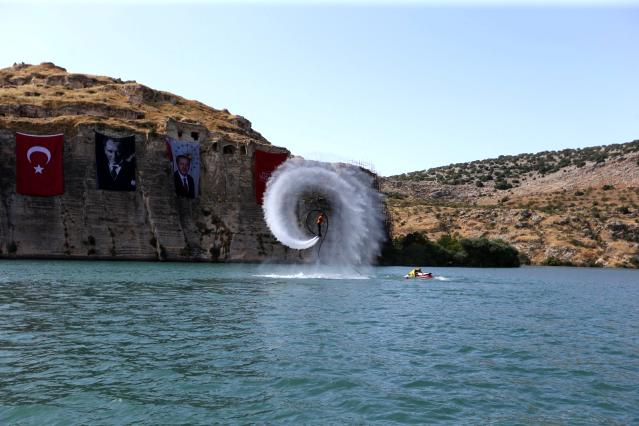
[87, 342]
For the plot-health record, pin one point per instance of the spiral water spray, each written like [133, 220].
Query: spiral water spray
[299, 189]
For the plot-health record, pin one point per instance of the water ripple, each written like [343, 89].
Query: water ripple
[103, 342]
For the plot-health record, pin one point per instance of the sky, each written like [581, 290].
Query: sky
[399, 86]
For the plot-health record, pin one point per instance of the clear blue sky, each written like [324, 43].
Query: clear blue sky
[404, 87]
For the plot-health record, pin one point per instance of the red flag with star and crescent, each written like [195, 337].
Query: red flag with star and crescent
[39, 165]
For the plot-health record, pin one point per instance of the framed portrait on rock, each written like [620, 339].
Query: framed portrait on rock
[185, 161]
[115, 162]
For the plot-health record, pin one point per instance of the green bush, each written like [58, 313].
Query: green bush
[416, 249]
[524, 259]
[553, 261]
[484, 253]
[623, 210]
[449, 243]
[395, 195]
[502, 185]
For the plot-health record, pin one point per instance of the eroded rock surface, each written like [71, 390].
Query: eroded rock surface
[223, 224]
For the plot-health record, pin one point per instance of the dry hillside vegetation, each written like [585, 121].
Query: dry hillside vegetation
[570, 207]
[48, 95]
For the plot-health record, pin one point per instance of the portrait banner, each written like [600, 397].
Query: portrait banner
[265, 163]
[185, 161]
[115, 162]
[39, 165]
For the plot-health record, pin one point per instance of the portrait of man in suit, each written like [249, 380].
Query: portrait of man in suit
[115, 162]
[184, 183]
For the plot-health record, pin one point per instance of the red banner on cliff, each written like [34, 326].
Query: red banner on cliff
[39, 165]
[264, 164]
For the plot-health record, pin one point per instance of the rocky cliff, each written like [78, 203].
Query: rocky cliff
[223, 224]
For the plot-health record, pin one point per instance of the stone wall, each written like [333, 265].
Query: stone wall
[224, 224]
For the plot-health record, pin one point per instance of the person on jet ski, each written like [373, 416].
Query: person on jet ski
[417, 272]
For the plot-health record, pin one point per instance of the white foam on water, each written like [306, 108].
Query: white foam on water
[440, 278]
[314, 271]
[303, 276]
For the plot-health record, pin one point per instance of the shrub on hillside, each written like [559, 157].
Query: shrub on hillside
[524, 259]
[416, 249]
[484, 253]
[502, 185]
[623, 210]
[395, 195]
[553, 261]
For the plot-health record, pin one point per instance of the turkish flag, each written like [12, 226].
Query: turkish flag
[169, 150]
[39, 165]
[265, 163]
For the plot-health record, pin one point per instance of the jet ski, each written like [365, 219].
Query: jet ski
[417, 273]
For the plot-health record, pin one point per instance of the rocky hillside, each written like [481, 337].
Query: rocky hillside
[48, 94]
[571, 207]
[223, 224]
[576, 207]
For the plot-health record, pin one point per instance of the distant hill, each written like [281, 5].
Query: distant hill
[575, 206]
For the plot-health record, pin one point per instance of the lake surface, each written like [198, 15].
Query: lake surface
[127, 342]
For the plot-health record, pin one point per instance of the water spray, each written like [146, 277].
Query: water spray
[299, 189]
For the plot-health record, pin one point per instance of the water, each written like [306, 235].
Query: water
[120, 342]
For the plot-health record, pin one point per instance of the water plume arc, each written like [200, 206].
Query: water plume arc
[353, 207]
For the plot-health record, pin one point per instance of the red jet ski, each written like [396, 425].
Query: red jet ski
[417, 273]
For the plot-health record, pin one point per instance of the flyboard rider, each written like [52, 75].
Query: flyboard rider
[319, 222]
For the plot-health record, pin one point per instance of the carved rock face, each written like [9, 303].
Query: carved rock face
[223, 224]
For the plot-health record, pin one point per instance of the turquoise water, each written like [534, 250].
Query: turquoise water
[125, 342]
